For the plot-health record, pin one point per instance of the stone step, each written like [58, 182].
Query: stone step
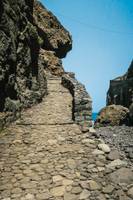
[51, 79]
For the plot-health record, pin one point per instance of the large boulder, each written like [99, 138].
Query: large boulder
[113, 115]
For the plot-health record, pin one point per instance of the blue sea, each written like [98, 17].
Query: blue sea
[94, 116]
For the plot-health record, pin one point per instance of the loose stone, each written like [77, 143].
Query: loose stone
[76, 190]
[113, 155]
[93, 185]
[108, 189]
[116, 163]
[104, 147]
[85, 194]
[130, 192]
[97, 152]
[57, 178]
[58, 191]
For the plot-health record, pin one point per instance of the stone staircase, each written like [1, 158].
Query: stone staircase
[45, 156]
[55, 109]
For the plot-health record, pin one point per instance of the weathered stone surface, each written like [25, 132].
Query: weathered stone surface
[52, 64]
[57, 178]
[29, 197]
[45, 155]
[130, 192]
[66, 182]
[104, 147]
[113, 115]
[22, 80]
[94, 185]
[116, 163]
[108, 189]
[121, 90]
[123, 175]
[31, 43]
[50, 158]
[84, 194]
[82, 102]
[58, 191]
[53, 35]
[92, 130]
[97, 152]
[113, 155]
[69, 196]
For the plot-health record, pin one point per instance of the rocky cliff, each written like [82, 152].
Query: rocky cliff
[121, 91]
[32, 43]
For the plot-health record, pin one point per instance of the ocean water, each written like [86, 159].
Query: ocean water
[94, 116]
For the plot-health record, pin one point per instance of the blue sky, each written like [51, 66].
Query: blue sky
[102, 32]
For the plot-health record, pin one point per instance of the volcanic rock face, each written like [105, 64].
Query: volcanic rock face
[24, 40]
[32, 43]
[121, 91]
[54, 36]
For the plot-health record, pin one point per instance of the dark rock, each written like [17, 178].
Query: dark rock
[121, 91]
[53, 35]
[82, 102]
[113, 115]
[131, 113]
[31, 42]
[20, 78]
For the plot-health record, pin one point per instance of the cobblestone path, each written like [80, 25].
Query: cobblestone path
[45, 156]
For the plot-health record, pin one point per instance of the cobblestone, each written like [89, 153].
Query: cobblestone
[46, 156]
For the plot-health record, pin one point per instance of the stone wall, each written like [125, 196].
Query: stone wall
[82, 103]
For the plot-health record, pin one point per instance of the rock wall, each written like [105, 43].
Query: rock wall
[121, 91]
[32, 41]
[82, 102]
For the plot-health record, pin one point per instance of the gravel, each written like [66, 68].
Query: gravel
[118, 137]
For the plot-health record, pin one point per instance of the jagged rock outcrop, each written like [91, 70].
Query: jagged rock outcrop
[121, 91]
[82, 102]
[24, 39]
[51, 63]
[113, 115]
[54, 36]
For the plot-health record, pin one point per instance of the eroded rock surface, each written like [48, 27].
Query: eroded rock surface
[32, 41]
[121, 91]
[53, 35]
[82, 102]
[113, 115]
